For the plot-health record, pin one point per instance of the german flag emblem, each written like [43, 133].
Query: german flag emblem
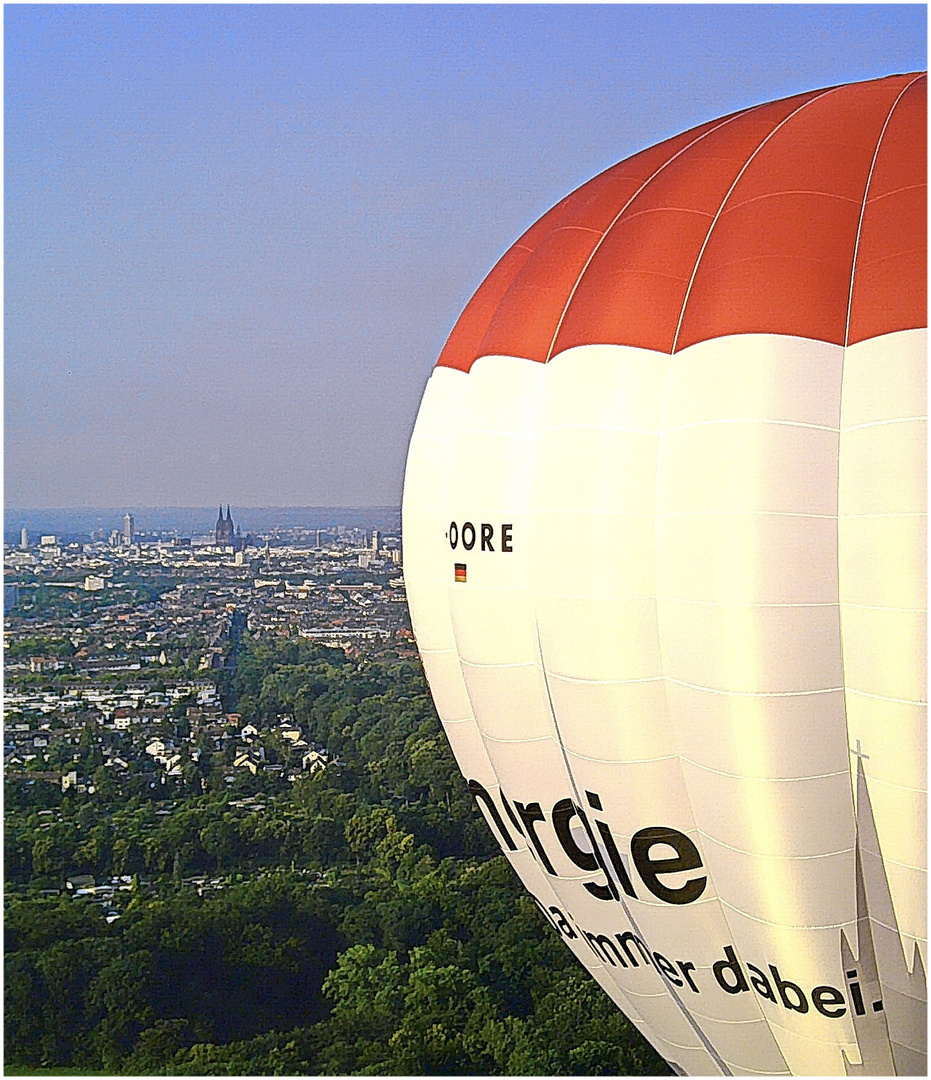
[460, 571]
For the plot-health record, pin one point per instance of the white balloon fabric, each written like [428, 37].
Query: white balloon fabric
[664, 545]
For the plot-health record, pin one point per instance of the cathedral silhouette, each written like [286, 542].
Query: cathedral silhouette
[226, 535]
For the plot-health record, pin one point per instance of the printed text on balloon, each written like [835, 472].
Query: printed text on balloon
[526, 816]
[468, 535]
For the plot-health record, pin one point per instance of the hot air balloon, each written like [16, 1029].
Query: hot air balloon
[664, 545]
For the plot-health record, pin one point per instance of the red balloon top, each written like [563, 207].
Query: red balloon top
[805, 217]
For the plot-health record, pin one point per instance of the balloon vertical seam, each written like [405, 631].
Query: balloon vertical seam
[720, 210]
[866, 194]
[623, 210]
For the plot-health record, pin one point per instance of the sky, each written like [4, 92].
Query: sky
[237, 236]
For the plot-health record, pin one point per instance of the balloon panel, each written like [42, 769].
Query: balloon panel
[669, 584]
[758, 276]
[714, 764]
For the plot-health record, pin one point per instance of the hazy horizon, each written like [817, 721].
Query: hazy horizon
[124, 508]
[237, 236]
[193, 520]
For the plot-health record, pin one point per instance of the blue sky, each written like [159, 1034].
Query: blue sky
[238, 236]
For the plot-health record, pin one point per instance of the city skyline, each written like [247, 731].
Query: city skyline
[192, 521]
[238, 236]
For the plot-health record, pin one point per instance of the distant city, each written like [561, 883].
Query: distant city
[114, 617]
[169, 522]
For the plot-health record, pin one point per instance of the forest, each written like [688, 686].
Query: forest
[357, 921]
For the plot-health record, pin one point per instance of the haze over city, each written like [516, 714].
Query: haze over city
[238, 236]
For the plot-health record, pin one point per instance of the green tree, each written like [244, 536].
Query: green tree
[220, 839]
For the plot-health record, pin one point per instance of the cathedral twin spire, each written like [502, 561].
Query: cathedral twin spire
[225, 534]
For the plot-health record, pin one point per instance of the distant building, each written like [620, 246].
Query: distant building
[127, 529]
[49, 547]
[225, 533]
[24, 539]
[76, 881]
[45, 663]
[375, 541]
